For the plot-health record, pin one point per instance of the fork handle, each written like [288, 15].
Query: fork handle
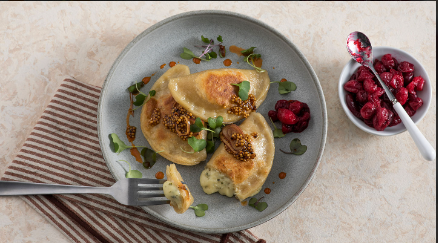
[14, 188]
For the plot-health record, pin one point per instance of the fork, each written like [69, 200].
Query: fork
[132, 191]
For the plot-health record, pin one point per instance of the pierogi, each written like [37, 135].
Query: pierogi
[177, 192]
[230, 176]
[208, 93]
[161, 138]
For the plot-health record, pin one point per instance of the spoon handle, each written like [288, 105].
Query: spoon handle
[426, 150]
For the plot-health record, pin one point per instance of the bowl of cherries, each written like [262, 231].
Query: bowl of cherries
[365, 102]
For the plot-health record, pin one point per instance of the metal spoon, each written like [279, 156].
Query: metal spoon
[359, 47]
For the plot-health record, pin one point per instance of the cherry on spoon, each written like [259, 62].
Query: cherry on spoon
[360, 49]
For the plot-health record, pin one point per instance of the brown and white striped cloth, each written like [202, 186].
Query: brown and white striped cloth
[63, 148]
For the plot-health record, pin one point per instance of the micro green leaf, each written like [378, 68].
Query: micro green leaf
[217, 132]
[219, 121]
[132, 173]
[198, 126]
[212, 122]
[260, 206]
[278, 133]
[285, 87]
[219, 38]
[196, 144]
[244, 87]
[139, 99]
[250, 60]
[200, 209]
[188, 54]
[194, 128]
[248, 51]
[213, 54]
[152, 93]
[119, 145]
[149, 157]
[205, 40]
[188, 51]
[296, 147]
[133, 88]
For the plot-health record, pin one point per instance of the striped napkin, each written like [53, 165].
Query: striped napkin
[63, 148]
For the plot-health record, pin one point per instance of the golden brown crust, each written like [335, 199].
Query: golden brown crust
[159, 137]
[237, 170]
[175, 177]
[217, 86]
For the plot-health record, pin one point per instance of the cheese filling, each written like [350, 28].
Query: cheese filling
[172, 193]
[213, 181]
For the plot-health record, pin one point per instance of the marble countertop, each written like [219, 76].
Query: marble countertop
[366, 189]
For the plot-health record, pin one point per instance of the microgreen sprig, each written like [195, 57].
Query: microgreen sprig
[296, 147]
[200, 209]
[285, 87]
[188, 54]
[133, 88]
[132, 173]
[278, 133]
[244, 88]
[196, 144]
[253, 202]
[149, 157]
[216, 125]
[119, 145]
[140, 99]
[251, 58]
[198, 126]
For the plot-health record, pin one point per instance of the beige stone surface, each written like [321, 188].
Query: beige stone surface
[367, 188]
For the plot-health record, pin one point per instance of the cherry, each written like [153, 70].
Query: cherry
[364, 75]
[388, 61]
[394, 72]
[281, 104]
[362, 96]
[406, 67]
[374, 97]
[286, 128]
[351, 104]
[378, 65]
[386, 77]
[286, 116]
[369, 85]
[368, 110]
[402, 95]
[409, 110]
[408, 77]
[295, 106]
[353, 86]
[419, 83]
[415, 103]
[273, 115]
[302, 124]
[396, 81]
[381, 119]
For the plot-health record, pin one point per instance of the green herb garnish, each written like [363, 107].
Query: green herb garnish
[215, 122]
[244, 87]
[210, 146]
[296, 147]
[140, 99]
[205, 40]
[278, 133]
[250, 60]
[149, 157]
[196, 144]
[133, 88]
[198, 126]
[248, 51]
[219, 38]
[253, 202]
[119, 145]
[285, 87]
[132, 173]
[188, 54]
[200, 209]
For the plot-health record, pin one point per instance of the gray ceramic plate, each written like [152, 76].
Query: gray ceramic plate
[162, 43]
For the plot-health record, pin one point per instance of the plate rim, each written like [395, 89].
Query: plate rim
[279, 35]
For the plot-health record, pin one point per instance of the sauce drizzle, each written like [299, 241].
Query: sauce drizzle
[136, 154]
[159, 175]
[227, 62]
[196, 60]
[267, 190]
[146, 80]
[172, 64]
[282, 175]
[244, 203]
[162, 65]
[283, 80]
[236, 50]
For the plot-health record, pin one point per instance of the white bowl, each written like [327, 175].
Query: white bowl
[425, 94]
